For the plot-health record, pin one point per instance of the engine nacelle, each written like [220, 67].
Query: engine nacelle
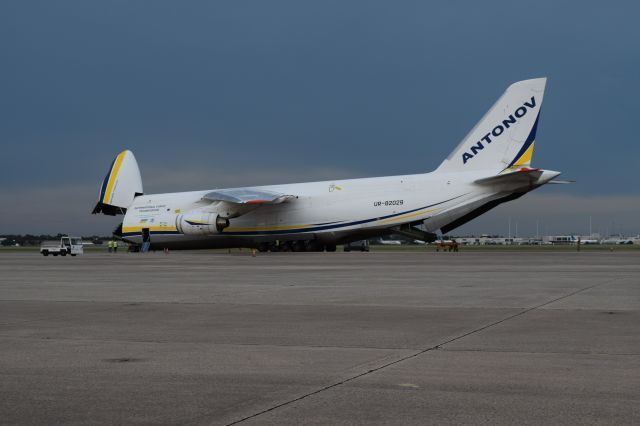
[201, 223]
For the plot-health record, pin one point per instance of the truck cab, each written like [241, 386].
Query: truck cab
[66, 245]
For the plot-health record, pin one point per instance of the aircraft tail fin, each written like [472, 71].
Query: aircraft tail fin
[120, 186]
[504, 138]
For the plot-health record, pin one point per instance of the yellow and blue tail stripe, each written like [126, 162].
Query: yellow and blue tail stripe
[523, 157]
[106, 190]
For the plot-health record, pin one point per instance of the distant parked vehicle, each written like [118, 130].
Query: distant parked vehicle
[446, 245]
[590, 241]
[362, 245]
[66, 245]
[389, 242]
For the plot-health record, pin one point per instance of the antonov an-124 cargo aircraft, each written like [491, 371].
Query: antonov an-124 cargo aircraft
[491, 165]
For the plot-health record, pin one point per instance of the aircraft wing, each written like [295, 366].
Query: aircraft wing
[235, 202]
[247, 196]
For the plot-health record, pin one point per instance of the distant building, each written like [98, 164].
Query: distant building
[547, 239]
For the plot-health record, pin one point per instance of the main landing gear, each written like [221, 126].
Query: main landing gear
[296, 246]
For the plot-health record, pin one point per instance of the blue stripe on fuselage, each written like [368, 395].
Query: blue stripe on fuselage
[530, 139]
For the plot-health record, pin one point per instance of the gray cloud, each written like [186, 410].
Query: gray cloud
[234, 93]
[189, 179]
[52, 209]
[66, 208]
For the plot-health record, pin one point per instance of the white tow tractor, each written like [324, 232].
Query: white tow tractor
[66, 245]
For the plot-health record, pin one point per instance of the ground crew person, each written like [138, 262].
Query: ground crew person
[115, 246]
[109, 246]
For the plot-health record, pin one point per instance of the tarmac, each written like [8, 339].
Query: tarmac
[320, 338]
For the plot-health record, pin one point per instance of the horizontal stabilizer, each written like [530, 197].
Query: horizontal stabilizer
[561, 182]
[523, 179]
[523, 176]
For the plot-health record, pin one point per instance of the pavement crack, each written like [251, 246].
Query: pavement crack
[52, 318]
[231, 344]
[418, 353]
[507, 351]
[527, 310]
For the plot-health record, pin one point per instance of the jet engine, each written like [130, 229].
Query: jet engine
[201, 223]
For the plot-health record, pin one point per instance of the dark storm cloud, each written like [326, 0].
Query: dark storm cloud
[249, 91]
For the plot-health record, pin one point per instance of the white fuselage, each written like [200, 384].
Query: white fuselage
[491, 165]
[329, 211]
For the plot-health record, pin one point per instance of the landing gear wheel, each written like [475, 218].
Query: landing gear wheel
[314, 246]
[330, 247]
[45, 253]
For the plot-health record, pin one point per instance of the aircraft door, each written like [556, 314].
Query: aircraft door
[146, 240]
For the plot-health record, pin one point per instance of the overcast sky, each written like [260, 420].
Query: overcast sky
[214, 94]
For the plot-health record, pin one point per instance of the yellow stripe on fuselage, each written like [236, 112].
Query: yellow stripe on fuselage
[151, 228]
[108, 194]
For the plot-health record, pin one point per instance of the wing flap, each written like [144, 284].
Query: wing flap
[247, 196]
[236, 202]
